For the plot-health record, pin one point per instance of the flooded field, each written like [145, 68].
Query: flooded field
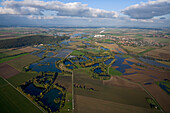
[45, 65]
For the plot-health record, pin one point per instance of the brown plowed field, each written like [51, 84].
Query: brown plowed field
[86, 104]
[28, 49]
[117, 81]
[7, 71]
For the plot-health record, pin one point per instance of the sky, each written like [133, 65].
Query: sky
[112, 13]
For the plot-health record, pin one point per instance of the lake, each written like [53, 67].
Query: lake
[49, 97]
[45, 65]
[32, 90]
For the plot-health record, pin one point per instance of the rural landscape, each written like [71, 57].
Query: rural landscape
[84, 56]
[72, 70]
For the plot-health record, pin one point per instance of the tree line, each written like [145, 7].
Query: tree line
[30, 40]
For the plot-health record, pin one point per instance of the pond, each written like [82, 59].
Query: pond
[165, 86]
[104, 48]
[84, 38]
[129, 73]
[153, 76]
[148, 83]
[77, 34]
[94, 65]
[45, 65]
[66, 43]
[87, 58]
[40, 54]
[66, 62]
[138, 69]
[47, 81]
[63, 53]
[154, 63]
[49, 97]
[108, 61]
[32, 90]
[104, 75]
[98, 70]
[119, 51]
[119, 62]
[100, 56]
[51, 44]
[79, 60]
[70, 67]
[49, 54]
[130, 62]
[87, 44]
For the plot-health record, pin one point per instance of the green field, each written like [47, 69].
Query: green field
[25, 60]
[68, 104]
[142, 53]
[2, 55]
[12, 57]
[21, 78]
[11, 101]
[77, 53]
[113, 71]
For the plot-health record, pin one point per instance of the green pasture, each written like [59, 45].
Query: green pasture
[115, 72]
[21, 78]
[11, 101]
[12, 57]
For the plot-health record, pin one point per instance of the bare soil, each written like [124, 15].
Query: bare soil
[28, 49]
[7, 71]
[117, 81]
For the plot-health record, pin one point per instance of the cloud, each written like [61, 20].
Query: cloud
[148, 10]
[37, 7]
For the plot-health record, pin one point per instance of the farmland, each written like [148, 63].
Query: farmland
[124, 69]
[15, 100]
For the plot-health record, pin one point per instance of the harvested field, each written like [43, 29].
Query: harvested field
[7, 71]
[20, 62]
[117, 81]
[134, 50]
[159, 53]
[13, 52]
[65, 81]
[28, 49]
[86, 104]
[162, 97]
[117, 94]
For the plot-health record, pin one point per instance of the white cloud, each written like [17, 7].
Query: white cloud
[148, 10]
[37, 7]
